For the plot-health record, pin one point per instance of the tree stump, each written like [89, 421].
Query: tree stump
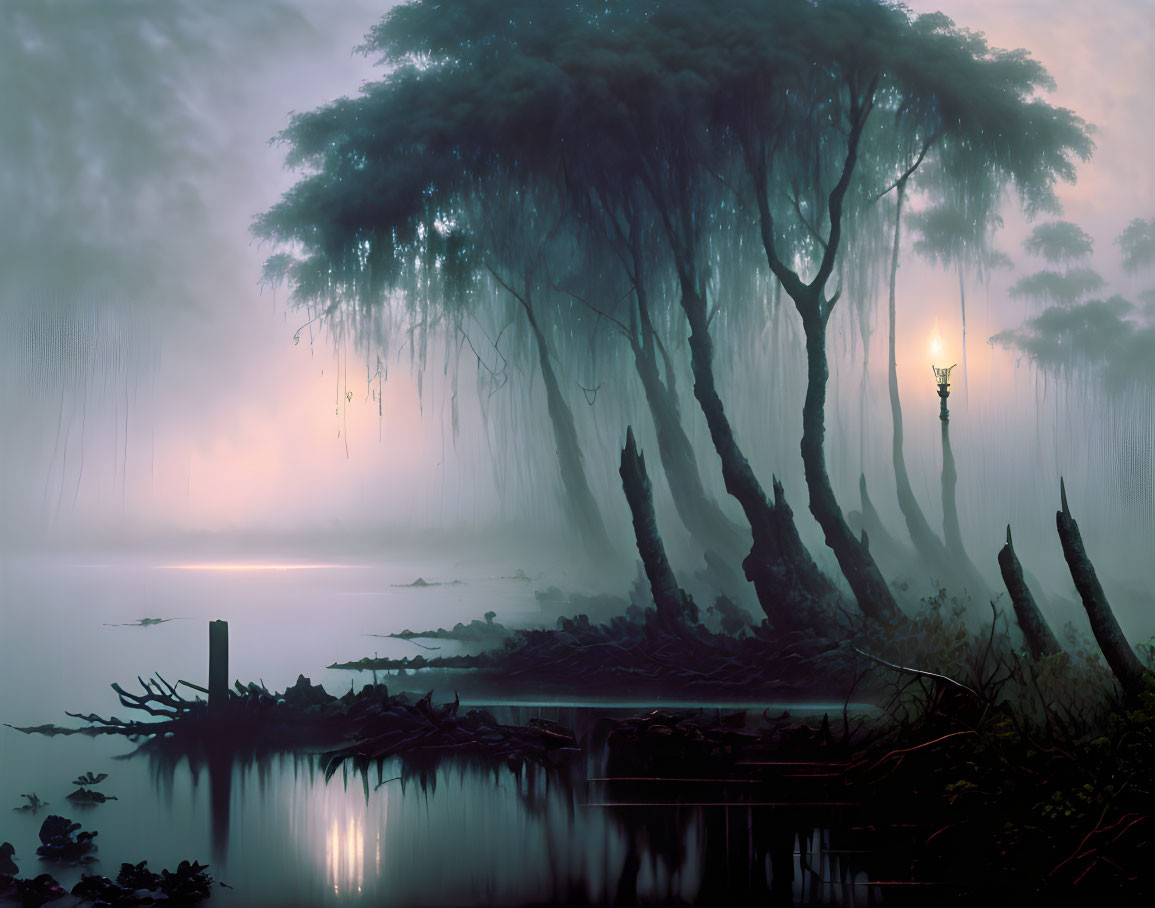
[1040, 640]
[1120, 657]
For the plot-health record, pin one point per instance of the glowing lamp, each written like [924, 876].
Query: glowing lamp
[942, 379]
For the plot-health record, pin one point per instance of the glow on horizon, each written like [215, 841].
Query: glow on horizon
[248, 566]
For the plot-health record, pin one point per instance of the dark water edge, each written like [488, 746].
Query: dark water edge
[457, 833]
[451, 832]
[607, 842]
[460, 832]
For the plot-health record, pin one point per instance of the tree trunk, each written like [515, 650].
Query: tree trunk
[672, 604]
[876, 531]
[1120, 657]
[928, 546]
[782, 571]
[1040, 640]
[965, 569]
[699, 512]
[873, 595]
[951, 533]
[582, 507]
[962, 297]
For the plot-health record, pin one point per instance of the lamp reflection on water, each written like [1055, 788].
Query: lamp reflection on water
[340, 834]
[345, 855]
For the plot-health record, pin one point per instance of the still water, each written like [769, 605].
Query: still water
[282, 836]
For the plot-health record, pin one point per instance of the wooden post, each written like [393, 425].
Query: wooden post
[218, 665]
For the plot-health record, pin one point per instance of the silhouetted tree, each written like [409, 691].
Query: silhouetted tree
[684, 118]
[1059, 243]
[833, 65]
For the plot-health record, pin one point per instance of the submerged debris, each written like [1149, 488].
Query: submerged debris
[421, 582]
[31, 893]
[146, 622]
[636, 654]
[423, 729]
[60, 841]
[7, 865]
[88, 797]
[487, 631]
[362, 727]
[34, 803]
[137, 885]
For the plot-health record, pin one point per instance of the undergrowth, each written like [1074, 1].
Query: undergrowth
[1032, 776]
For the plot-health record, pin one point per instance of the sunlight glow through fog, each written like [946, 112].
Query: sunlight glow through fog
[229, 566]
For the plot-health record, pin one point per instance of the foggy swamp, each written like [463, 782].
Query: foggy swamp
[521, 453]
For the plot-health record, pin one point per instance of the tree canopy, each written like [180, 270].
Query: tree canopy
[1098, 338]
[1137, 242]
[706, 139]
[1059, 241]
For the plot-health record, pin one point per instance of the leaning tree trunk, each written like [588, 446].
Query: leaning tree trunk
[928, 546]
[1120, 657]
[873, 595]
[1040, 640]
[674, 607]
[699, 512]
[781, 569]
[583, 508]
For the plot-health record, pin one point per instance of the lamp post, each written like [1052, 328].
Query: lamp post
[942, 379]
[950, 526]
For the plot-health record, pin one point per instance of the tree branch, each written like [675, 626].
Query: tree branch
[629, 334]
[859, 114]
[917, 671]
[906, 174]
[806, 223]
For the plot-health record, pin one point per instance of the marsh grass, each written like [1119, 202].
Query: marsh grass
[1032, 776]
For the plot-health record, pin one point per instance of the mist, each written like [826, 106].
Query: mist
[153, 385]
[208, 364]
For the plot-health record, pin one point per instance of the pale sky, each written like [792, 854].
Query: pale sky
[248, 429]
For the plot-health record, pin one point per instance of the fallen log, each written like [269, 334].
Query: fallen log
[1120, 657]
[1040, 639]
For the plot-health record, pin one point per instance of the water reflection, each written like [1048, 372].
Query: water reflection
[463, 833]
[345, 851]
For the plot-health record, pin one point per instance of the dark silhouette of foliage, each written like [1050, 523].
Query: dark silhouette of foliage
[1096, 337]
[1064, 288]
[1059, 241]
